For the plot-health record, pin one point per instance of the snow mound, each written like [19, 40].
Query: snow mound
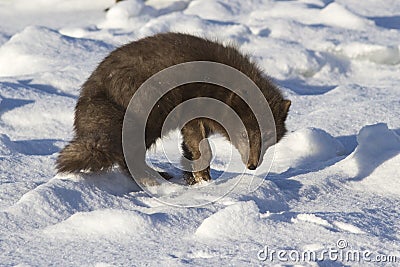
[194, 25]
[379, 54]
[348, 227]
[65, 195]
[330, 14]
[52, 201]
[126, 14]
[374, 164]
[296, 59]
[38, 108]
[305, 147]
[384, 179]
[220, 10]
[118, 15]
[333, 14]
[38, 49]
[102, 224]
[27, 147]
[311, 218]
[232, 222]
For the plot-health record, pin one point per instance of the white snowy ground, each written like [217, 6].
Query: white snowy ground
[335, 176]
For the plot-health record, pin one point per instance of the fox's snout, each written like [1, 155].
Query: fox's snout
[251, 166]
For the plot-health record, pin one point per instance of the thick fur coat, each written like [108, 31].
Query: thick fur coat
[106, 94]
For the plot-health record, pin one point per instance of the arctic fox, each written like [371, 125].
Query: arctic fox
[104, 98]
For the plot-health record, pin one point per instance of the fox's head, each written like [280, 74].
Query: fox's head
[252, 143]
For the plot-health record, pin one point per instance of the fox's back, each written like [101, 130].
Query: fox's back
[123, 71]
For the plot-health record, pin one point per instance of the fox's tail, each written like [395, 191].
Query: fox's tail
[87, 155]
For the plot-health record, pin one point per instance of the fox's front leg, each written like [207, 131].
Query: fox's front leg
[197, 150]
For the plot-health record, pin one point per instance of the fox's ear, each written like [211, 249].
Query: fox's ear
[286, 105]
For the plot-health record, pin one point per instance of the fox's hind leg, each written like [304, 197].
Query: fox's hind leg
[196, 148]
[97, 144]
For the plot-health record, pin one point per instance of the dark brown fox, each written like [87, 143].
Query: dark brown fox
[104, 98]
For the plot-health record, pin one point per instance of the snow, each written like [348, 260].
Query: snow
[377, 147]
[119, 14]
[334, 177]
[237, 221]
[311, 218]
[305, 147]
[33, 58]
[348, 227]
